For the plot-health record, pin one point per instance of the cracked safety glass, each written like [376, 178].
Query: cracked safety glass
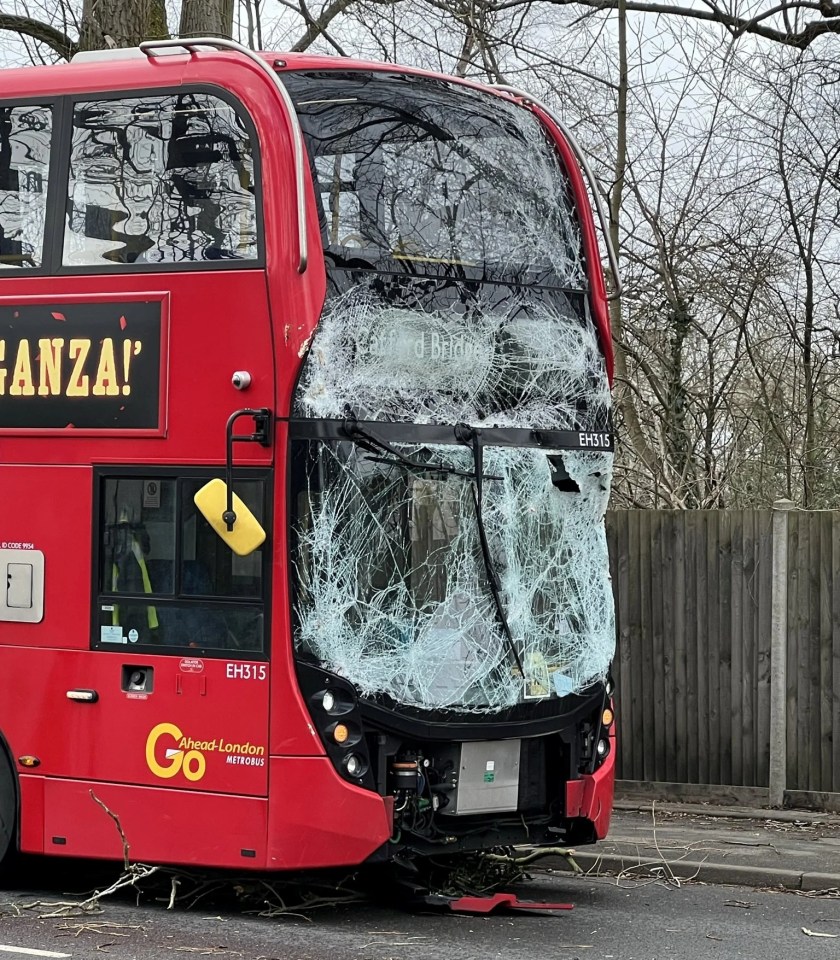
[428, 573]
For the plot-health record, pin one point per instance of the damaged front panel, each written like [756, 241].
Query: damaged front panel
[439, 351]
[451, 450]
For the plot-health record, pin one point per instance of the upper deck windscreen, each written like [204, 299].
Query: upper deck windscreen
[436, 178]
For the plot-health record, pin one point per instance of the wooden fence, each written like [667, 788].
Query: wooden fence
[694, 665]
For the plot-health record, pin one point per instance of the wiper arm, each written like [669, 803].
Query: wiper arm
[471, 437]
[369, 441]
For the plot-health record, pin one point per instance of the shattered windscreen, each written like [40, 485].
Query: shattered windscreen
[451, 432]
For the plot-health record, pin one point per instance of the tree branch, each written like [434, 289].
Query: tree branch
[318, 26]
[736, 25]
[54, 38]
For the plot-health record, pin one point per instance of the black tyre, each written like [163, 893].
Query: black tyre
[8, 812]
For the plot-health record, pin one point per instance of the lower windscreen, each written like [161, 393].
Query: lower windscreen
[394, 589]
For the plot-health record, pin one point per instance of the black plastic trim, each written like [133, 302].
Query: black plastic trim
[402, 721]
[532, 718]
[405, 432]
[313, 681]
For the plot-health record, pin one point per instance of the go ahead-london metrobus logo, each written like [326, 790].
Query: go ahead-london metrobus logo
[169, 752]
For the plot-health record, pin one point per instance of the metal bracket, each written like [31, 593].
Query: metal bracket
[498, 901]
[261, 435]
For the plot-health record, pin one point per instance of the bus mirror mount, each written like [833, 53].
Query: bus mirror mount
[216, 500]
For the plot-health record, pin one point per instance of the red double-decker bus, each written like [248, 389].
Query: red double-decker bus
[305, 447]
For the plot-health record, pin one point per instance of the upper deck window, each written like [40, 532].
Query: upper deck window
[24, 163]
[437, 178]
[167, 179]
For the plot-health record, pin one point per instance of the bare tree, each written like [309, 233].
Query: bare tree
[796, 124]
[724, 214]
[794, 23]
[64, 30]
[99, 23]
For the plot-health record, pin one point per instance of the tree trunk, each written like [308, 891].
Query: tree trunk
[117, 23]
[624, 398]
[206, 17]
[677, 439]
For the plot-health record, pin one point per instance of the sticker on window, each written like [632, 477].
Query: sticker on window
[111, 635]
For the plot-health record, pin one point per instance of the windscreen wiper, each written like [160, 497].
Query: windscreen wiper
[370, 442]
[471, 437]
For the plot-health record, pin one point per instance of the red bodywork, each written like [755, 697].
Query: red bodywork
[293, 810]
[591, 797]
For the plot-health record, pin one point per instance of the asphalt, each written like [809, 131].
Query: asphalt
[676, 842]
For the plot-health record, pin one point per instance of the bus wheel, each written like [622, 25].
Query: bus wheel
[8, 807]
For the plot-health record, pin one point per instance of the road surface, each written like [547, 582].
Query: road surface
[612, 920]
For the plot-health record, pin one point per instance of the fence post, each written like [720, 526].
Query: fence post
[778, 654]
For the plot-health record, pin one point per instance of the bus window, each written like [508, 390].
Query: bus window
[433, 567]
[225, 573]
[433, 179]
[165, 577]
[25, 133]
[160, 180]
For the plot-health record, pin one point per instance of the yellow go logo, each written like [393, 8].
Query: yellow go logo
[191, 763]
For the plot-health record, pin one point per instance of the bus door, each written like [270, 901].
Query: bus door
[165, 719]
[184, 620]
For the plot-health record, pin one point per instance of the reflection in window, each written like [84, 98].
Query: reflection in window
[24, 164]
[167, 578]
[160, 180]
[429, 175]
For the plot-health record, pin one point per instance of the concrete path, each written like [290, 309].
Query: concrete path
[794, 850]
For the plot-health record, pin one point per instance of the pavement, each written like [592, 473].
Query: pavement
[788, 849]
